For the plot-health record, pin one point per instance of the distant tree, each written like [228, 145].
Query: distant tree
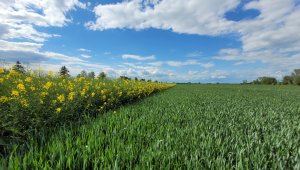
[142, 80]
[102, 75]
[156, 81]
[64, 71]
[266, 80]
[296, 72]
[245, 82]
[18, 67]
[125, 78]
[136, 79]
[296, 76]
[287, 80]
[255, 82]
[91, 75]
[149, 81]
[296, 80]
[78, 75]
[83, 73]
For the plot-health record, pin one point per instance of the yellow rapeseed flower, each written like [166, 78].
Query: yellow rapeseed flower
[21, 87]
[71, 96]
[82, 93]
[48, 85]
[93, 94]
[24, 103]
[3, 99]
[14, 93]
[28, 79]
[58, 110]
[43, 94]
[61, 98]
[13, 72]
[1, 70]
[1, 80]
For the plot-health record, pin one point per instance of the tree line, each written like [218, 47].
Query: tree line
[64, 72]
[292, 79]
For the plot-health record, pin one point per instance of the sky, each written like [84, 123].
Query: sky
[224, 41]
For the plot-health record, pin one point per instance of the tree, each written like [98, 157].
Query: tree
[124, 78]
[296, 72]
[18, 67]
[136, 79]
[265, 80]
[64, 71]
[102, 75]
[287, 80]
[296, 76]
[83, 73]
[91, 75]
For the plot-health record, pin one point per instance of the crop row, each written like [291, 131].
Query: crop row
[29, 102]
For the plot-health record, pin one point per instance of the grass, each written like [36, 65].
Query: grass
[186, 127]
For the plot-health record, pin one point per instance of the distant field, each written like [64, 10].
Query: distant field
[188, 127]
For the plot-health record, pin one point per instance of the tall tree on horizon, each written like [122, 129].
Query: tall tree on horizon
[19, 68]
[91, 75]
[64, 71]
[102, 75]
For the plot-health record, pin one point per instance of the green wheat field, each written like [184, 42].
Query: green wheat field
[189, 126]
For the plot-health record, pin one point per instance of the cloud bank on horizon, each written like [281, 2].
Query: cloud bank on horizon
[167, 40]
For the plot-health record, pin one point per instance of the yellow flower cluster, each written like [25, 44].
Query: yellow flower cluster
[53, 94]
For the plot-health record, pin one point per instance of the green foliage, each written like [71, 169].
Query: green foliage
[187, 127]
[64, 72]
[83, 73]
[266, 81]
[125, 78]
[19, 68]
[102, 75]
[296, 80]
[287, 80]
[29, 103]
[91, 75]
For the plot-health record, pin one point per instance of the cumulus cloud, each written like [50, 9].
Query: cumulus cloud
[19, 18]
[272, 37]
[191, 17]
[137, 57]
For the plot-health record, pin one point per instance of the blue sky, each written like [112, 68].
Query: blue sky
[167, 40]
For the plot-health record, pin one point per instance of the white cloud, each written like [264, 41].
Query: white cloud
[189, 62]
[191, 17]
[86, 56]
[19, 18]
[83, 50]
[272, 37]
[136, 57]
[30, 52]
